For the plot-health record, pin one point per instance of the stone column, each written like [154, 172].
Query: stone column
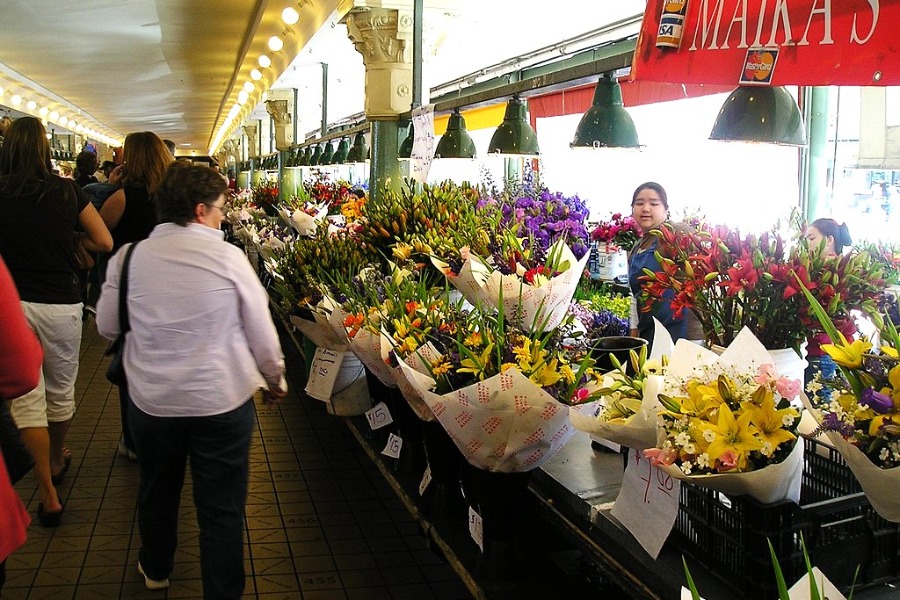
[252, 144]
[280, 112]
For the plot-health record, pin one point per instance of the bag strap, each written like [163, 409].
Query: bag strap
[124, 323]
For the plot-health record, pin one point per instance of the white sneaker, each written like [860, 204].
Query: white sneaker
[152, 584]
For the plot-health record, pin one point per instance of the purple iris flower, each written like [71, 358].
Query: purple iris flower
[880, 403]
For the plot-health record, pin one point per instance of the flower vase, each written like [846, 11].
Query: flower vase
[619, 346]
[612, 261]
[442, 498]
[497, 498]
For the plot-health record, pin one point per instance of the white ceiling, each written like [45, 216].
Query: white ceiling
[170, 66]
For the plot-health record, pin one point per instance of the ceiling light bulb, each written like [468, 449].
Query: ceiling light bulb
[243, 96]
[31, 105]
[72, 124]
[290, 15]
[264, 61]
[54, 116]
[79, 129]
[1, 91]
[44, 110]
[16, 99]
[265, 96]
[63, 120]
[275, 43]
[249, 87]
[255, 75]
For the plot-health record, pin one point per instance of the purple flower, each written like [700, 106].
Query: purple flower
[880, 403]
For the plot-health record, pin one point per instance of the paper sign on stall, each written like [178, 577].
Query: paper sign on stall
[476, 528]
[647, 503]
[379, 416]
[423, 142]
[393, 446]
[322, 376]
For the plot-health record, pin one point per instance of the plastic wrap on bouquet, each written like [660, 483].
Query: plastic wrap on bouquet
[417, 361]
[367, 347]
[470, 281]
[505, 424]
[640, 430]
[302, 222]
[880, 485]
[770, 484]
[271, 247]
[540, 307]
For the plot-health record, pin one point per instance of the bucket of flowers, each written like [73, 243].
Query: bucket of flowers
[265, 196]
[613, 239]
[728, 423]
[861, 414]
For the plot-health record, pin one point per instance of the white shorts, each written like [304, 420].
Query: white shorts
[58, 327]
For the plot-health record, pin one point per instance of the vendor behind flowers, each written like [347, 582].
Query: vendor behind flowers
[650, 208]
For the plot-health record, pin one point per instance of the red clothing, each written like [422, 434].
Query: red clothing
[20, 351]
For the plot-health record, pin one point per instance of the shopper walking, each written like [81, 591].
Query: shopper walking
[201, 342]
[37, 242]
[130, 214]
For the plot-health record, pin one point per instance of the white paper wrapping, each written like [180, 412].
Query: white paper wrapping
[319, 332]
[417, 361]
[505, 424]
[542, 308]
[470, 281]
[880, 485]
[770, 484]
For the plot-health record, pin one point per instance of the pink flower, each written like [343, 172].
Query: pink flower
[581, 394]
[788, 388]
[766, 374]
[661, 456]
[728, 460]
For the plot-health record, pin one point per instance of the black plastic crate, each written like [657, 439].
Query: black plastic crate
[728, 534]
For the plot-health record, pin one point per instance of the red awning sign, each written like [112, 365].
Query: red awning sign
[817, 42]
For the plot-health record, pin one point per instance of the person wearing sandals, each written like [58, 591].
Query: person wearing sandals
[201, 342]
[42, 212]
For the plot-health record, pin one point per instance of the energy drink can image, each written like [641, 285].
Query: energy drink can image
[671, 24]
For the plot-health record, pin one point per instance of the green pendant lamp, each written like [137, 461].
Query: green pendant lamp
[406, 147]
[514, 136]
[327, 154]
[343, 150]
[303, 161]
[360, 151]
[316, 156]
[764, 114]
[606, 124]
[456, 141]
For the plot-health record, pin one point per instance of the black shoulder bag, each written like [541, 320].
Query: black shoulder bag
[115, 373]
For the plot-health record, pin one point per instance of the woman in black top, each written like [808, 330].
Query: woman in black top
[41, 213]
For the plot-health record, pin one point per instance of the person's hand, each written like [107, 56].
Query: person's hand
[115, 176]
[273, 395]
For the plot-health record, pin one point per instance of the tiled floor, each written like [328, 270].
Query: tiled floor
[322, 523]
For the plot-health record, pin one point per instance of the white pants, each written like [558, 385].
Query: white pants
[58, 327]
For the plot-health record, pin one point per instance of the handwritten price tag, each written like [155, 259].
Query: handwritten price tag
[378, 416]
[423, 142]
[325, 368]
[426, 479]
[476, 528]
[647, 503]
[393, 446]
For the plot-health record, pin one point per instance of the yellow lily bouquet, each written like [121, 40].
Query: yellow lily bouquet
[728, 422]
[628, 408]
[859, 411]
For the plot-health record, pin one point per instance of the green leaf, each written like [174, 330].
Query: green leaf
[690, 581]
[779, 576]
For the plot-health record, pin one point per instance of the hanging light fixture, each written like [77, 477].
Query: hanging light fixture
[316, 155]
[456, 141]
[343, 150]
[405, 152]
[514, 136]
[327, 154]
[360, 151]
[766, 114]
[606, 124]
[303, 161]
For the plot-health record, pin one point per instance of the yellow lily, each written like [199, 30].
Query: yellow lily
[546, 374]
[770, 422]
[702, 399]
[846, 354]
[892, 352]
[736, 435]
[477, 366]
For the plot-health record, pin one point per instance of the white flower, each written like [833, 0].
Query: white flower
[653, 367]
[682, 439]
[686, 467]
[787, 420]
[709, 435]
[884, 454]
[703, 461]
[814, 386]
[690, 448]
[767, 449]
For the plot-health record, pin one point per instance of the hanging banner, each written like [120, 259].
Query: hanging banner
[770, 42]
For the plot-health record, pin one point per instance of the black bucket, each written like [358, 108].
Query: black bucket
[619, 345]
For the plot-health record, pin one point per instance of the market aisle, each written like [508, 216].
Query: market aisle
[322, 522]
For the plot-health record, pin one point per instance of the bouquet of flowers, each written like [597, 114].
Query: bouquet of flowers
[321, 191]
[861, 414]
[265, 196]
[728, 422]
[620, 231]
[497, 389]
[730, 281]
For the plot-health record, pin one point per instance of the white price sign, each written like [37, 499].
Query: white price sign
[476, 528]
[325, 368]
[426, 479]
[378, 416]
[393, 446]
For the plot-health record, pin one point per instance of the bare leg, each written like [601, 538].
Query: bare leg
[37, 440]
[57, 443]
